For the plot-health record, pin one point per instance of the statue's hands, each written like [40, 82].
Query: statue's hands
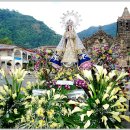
[67, 36]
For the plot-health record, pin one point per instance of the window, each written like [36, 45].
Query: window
[120, 23]
[9, 53]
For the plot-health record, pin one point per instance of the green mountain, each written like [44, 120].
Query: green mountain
[110, 29]
[25, 30]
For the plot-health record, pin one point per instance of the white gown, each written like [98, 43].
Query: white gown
[70, 45]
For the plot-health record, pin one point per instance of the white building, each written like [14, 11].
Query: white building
[13, 56]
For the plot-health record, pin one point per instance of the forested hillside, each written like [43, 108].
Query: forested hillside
[25, 30]
[109, 29]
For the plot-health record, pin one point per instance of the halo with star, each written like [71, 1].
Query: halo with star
[71, 15]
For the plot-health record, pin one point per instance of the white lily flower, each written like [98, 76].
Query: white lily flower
[14, 72]
[114, 91]
[122, 74]
[14, 95]
[63, 96]
[48, 70]
[48, 51]
[78, 127]
[2, 103]
[6, 88]
[97, 101]
[122, 99]
[2, 90]
[48, 94]
[2, 72]
[90, 92]
[82, 117]
[73, 102]
[89, 113]
[106, 106]
[117, 104]
[97, 76]
[18, 74]
[104, 119]
[105, 72]
[87, 124]
[20, 80]
[79, 95]
[69, 111]
[127, 118]
[79, 77]
[105, 96]
[117, 118]
[108, 89]
[15, 111]
[114, 113]
[116, 127]
[53, 90]
[64, 111]
[28, 97]
[41, 82]
[107, 78]
[56, 96]
[1, 112]
[21, 72]
[10, 121]
[126, 105]
[1, 97]
[107, 127]
[121, 110]
[112, 74]
[24, 73]
[83, 104]
[113, 97]
[99, 69]
[76, 109]
[29, 85]
[88, 74]
[91, 87]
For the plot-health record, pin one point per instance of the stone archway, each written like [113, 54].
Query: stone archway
[17, 54]
[3, 64]
[17, 65]
[18, 58]
[25, 56]
[9, 63]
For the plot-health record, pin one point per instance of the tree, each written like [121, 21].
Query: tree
[6, 40]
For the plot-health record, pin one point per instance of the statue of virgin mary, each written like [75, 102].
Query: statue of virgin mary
[70, 50]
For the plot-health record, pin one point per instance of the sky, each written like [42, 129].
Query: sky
[92, 13]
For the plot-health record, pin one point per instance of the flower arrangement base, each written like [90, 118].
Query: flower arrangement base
[64, 82]
[37, 92]
[75, 94]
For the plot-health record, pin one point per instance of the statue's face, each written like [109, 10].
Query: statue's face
[70, 27]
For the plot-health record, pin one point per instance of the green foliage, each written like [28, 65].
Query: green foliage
[6, 40]
[46, 111]
[11, 98]
[104, 107]
[107, 101]
[26, 31]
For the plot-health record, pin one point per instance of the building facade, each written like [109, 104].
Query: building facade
[122, 38]
[123, 27]
[13, 56]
